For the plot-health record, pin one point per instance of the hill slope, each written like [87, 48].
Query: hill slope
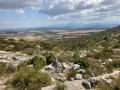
[110, 37]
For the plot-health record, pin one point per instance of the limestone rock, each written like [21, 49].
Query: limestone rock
[76, 67]
[78, 76]
[56, 64]
[93, 82]
[49, 67]
[81, 71]
[67, 65]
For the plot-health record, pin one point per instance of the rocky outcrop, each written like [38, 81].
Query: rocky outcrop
[56, 64]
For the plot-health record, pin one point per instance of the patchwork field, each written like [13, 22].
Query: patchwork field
[43, 35]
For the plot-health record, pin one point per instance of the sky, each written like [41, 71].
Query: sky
[37, 13]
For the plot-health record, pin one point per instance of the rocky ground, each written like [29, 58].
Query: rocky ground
[85, 84]
[57, 72]
[14, 58]
[77, 82]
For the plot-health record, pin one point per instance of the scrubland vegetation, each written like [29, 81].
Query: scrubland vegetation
[100, 47]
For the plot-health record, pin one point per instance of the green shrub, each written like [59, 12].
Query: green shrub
[22, 64]
[50, 58]
[6, 68]
[2, 68]
[38, 62]
[76, 56]
[29, 51]
[60, 86]
[115, 64]
[64, 58]
[10, 68]
[27, 77]
[70, 74]
[83, 62]
[103, 86]
[116, 46]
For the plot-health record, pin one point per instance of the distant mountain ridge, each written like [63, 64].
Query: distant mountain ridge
[78, 26]
[70, 26]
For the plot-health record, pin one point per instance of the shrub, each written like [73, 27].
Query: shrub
[29, 51]
[27, 77]
[21, 65]
[38, 62]
[71, 74]
[60, 86]
[2, 68]
[115, 64]
[83, 62]
[116, 46]
[104, 86]
[50, 58]
[76, 55]
[105, 54]
[64, 58]
[10, 68]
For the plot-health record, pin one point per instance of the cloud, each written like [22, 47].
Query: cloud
[57, 7]
[81, 10]
[69, 10]
[15, 4]
[20, 11]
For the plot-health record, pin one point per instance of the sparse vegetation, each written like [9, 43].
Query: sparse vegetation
[99, 56]
[60, 86]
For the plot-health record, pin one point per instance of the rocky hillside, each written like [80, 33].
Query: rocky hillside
[88, 62]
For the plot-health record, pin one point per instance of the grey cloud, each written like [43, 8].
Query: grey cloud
[60, 8]
[109, 2]
[14, 4]
[68, 8]
[63, 7]
[82, 6]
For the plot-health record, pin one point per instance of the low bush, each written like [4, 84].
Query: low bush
[70, 74]
[37, 62]
[60, 86]
[28, 78]
[83, 62]
[115, 64]
[6, 68]
[2, 68]
[50, 58]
